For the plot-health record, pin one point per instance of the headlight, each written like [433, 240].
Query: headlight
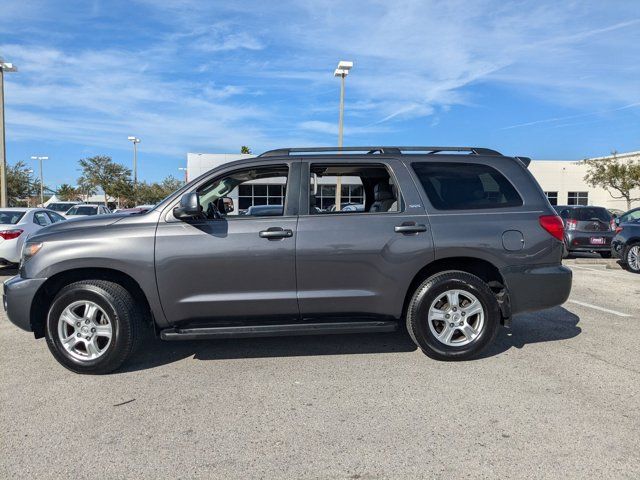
[30, 249]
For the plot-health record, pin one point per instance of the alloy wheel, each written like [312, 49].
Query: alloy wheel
[633, 258]
[456, 318]
[84, 330]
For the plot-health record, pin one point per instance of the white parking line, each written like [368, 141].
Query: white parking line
[602, 309]
[615, 273]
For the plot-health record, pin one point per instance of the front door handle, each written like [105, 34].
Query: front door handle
[275, 233]
[410, 227]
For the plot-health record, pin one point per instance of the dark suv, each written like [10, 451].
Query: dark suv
[452, 241]
[587, 229]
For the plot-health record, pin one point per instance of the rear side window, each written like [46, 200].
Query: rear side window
[465, 186]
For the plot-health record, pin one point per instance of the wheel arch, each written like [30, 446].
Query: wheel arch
[479, 267]
[48, 290]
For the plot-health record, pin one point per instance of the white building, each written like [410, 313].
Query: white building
[562, 181]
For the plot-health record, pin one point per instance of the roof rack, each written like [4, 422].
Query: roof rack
[370, 150]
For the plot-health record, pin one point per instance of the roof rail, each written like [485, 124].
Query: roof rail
[370, 150]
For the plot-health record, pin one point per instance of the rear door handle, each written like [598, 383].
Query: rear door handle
[410, 228]
[275, 233]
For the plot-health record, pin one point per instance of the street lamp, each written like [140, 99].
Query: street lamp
[135, 142]
[4, 67]
[342, 71]
[186, 178]
[40, 159]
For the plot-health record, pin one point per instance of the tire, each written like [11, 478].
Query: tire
[628, 257]
[99, 310]
[605, 254]
[433, 291]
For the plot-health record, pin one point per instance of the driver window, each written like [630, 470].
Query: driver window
[252, 192]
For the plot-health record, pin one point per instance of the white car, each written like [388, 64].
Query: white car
[16, 224]
[85, 210]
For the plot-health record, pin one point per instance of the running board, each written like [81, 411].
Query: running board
[204, 333]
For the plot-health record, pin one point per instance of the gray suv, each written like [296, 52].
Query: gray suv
[451, 241]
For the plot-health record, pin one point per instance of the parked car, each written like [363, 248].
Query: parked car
[61, 207]
[468, 240]
[587, 229]
[626, 244]
[347, 207]
[629, 216]
[85, 210]
[16, 224]
[264, 211]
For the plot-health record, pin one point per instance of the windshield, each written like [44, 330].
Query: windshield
[630, 216]
[59, 207]
[7, 217]
[83, 210]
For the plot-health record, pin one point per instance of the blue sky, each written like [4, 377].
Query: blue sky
[548, 79]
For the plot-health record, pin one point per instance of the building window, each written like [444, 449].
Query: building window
[578, 198]
[552, 197]
[260, 194]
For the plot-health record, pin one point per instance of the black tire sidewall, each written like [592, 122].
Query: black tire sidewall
[79, 292]
[431, 289]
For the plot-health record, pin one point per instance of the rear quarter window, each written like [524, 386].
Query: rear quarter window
[465, 186]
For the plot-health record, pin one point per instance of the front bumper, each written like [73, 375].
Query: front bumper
[537, 287]
[18, 298]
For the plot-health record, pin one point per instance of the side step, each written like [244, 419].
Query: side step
[204, 333]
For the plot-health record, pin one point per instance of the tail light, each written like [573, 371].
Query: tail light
[553, 224]
[618, 230]
[10, 234]
[572, 224]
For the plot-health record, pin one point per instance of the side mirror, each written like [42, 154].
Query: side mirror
[189, 206]
[228, 204]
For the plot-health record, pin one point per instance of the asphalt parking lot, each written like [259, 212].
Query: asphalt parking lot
[557, 396]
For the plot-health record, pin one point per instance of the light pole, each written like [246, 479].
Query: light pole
[4, 67]
[135, 142]
[186, 178]
[40, 159]
[342, 71]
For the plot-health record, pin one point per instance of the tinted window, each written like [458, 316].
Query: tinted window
[59, 207]
[463, 186]
[8, 217]
[589, 213]
[82, 211]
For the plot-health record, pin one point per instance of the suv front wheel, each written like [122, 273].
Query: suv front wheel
[453, 315]
[93, 326]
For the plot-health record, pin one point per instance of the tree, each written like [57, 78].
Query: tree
[152, 193]
[246, 150]
[618, 177]
[20, 184]
[103, 173]
[67, 193]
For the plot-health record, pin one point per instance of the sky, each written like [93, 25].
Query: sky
[546, 79]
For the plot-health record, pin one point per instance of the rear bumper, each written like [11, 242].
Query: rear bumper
[18, 298]
[581, 241]
[537, 287]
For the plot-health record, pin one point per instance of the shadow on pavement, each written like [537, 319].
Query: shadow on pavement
[546, 326]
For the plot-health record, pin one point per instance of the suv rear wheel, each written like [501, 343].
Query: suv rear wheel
[93, 326]
[453, 315]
